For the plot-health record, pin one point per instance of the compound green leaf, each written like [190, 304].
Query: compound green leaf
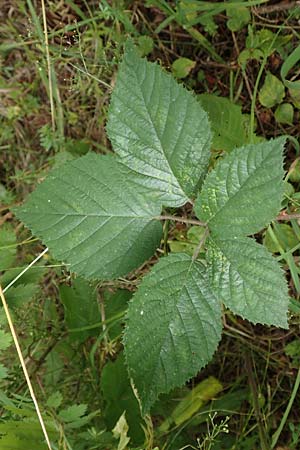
[267, 42]
[23, 433]
[243, 193]
[159, 130]
[173, 327]
[81, 421]
[93, 216]
[55, 400]
[3, 372]
[5, 340]
[73, 413]
[249, 280]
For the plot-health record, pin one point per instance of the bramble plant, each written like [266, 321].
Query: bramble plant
[102, 215]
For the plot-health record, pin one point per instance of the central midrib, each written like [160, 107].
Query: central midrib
[230, 199]
[155, 131]
[102, 215]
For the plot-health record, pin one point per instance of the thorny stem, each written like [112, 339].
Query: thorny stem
[182, 219]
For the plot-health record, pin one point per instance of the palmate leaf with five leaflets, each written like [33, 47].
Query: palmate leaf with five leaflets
[173, 327]
[99, 214]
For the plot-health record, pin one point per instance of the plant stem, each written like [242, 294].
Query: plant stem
[166, 231]
[102, 311]
[182, 219]
[283, 6]
[277, 433]
[280, 217]
[254, 96]
[199, 246]
[292, 216]
[259, 419]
